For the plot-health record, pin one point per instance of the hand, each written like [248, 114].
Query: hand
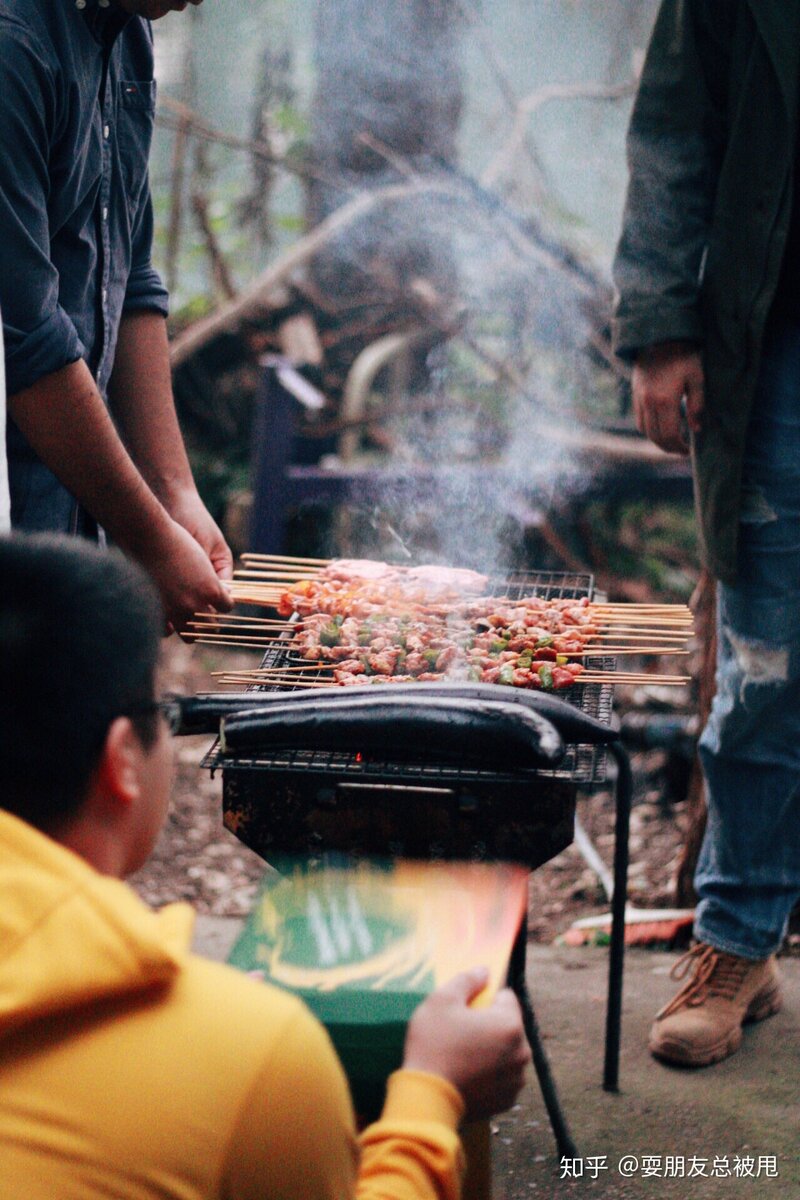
[184, 576]
[481, 1051]
[190, 512]
[662, 376]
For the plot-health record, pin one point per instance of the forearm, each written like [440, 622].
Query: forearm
[64, 419]
[413, 1150]
[140, 395]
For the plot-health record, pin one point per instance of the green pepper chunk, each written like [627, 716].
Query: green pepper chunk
[329, 635]
[498, 646]
[524, 661]
[546, 675]
[506, 673]
[430, 656]
[544, 641]
[474, 675]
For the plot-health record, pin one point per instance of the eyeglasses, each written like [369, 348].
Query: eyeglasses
[169, 707]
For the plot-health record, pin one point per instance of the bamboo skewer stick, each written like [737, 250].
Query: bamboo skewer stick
[251, 556]
[284, 674]
[218, 624]
[610, 678]
[588, 652]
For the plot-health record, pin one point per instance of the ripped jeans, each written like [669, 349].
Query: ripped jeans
[748, 873]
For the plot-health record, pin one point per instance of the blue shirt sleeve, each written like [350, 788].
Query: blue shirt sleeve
[144, 288]
[40, 338]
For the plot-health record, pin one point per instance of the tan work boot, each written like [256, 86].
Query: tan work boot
[703, 1022]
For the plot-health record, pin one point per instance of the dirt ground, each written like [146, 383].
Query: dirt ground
[197, 860]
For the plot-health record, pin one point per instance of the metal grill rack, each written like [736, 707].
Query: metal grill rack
[582, 765]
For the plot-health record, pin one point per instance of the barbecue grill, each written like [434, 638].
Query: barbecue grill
[300, 801]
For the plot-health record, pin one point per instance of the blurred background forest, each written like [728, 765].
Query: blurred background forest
[413, 208]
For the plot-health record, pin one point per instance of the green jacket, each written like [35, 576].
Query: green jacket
[711, 150]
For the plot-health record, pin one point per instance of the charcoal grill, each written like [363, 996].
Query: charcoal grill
[309, 802]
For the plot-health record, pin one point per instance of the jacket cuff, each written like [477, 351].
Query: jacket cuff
[418, 1096]
[33, 354]
[631, 332]
[146, 291]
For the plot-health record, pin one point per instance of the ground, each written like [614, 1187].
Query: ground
[196, 859]
[721, 1119]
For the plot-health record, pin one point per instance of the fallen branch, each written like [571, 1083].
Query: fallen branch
[178, 114]
[254, 301]
[528, 105]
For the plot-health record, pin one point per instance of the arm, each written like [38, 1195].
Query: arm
[300, 1140]
[52, 396]
[674, 147]
[140, 393]
[66, 422]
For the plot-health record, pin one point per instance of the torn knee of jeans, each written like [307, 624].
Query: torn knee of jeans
[758, 662]
[754, 508]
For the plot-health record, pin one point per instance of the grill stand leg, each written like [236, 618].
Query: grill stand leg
[519, 984]
[617, 948]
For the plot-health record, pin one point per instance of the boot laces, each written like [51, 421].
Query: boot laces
[714, 974]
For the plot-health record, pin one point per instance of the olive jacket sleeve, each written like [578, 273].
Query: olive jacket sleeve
[674, 146]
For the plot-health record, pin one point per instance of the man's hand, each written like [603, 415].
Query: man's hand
[183, 574]
[481, 1051]
[190, 512]
[663, 376]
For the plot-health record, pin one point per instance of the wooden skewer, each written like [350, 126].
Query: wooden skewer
[219, 639]
[279, 674]
[296, 684]
[276, 576]
[279, 573]
[244, 623]
[250, 556]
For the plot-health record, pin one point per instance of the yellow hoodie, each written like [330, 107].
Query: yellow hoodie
[130, 1069]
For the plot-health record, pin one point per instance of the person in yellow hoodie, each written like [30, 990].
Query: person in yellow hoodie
[129, 1067]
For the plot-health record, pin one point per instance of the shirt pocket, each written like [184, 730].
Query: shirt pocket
[136, 106]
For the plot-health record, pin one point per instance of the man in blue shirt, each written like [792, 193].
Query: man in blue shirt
[93, 439]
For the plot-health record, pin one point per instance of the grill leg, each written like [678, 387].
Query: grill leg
[519, 984]
[617, 949]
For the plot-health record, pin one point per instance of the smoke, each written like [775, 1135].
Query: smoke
[474, 436]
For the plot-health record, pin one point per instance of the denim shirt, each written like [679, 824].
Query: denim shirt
[76, 218]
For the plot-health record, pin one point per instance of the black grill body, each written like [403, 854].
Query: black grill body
[306, 803]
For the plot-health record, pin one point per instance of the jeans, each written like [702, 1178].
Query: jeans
[748, 873]
[39, 503]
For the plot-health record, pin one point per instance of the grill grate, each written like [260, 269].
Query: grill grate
[581, 764]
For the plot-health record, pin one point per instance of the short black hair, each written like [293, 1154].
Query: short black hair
[79, 641]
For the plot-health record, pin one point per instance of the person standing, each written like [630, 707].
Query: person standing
[707, 273]
[93, 438]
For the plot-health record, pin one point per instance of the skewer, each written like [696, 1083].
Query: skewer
[250, 556]
[655, 641]
[277, 575]
[607, 641]
[225, 619]
[293, 562]
[281, 674]
[610, 678]
[283, 571]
